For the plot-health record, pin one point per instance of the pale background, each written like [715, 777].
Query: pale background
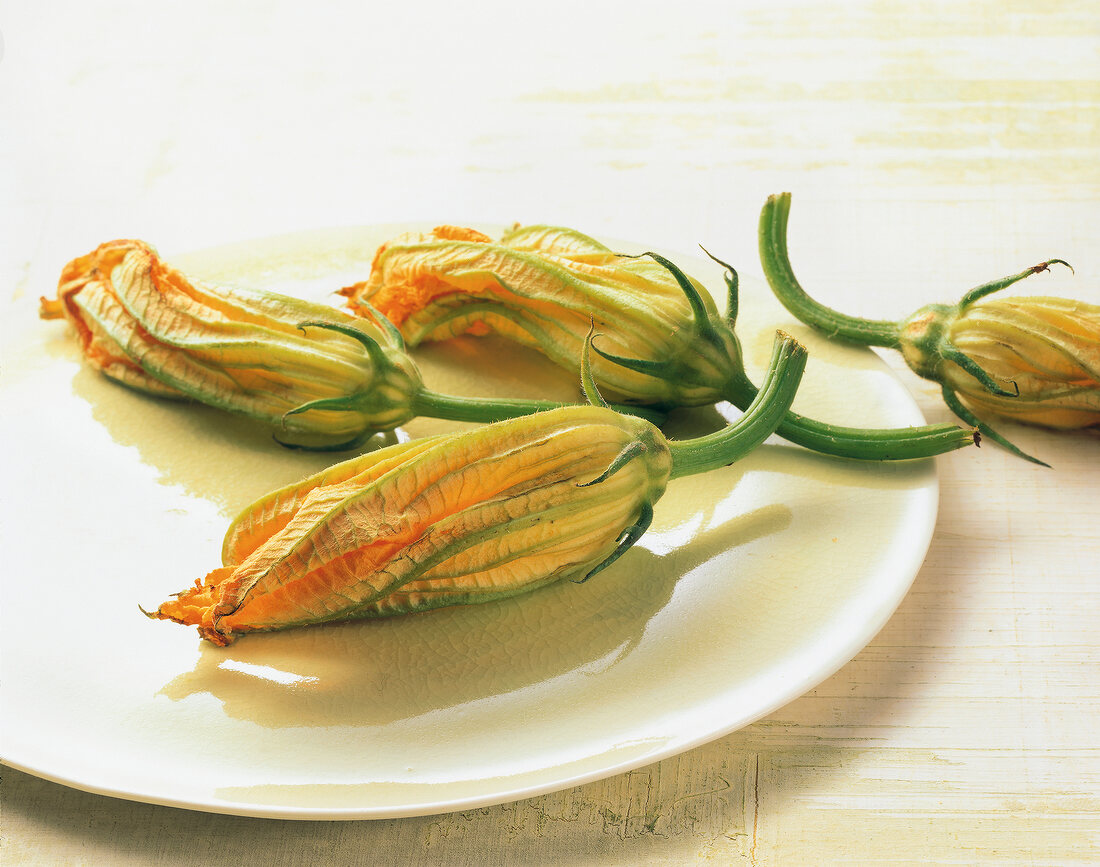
[929, 146]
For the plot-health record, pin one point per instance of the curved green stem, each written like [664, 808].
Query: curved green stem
[781, 278]
[486, 410]
[454, 408]
[759, 421]
[868, 444]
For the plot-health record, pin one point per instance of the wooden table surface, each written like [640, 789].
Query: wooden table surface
[929, 147]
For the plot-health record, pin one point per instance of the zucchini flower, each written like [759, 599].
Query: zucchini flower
[1033, 360]
[319, 377]
[543, 287]
[663, 342]
[461, 518]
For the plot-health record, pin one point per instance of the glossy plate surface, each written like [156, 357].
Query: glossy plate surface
[755, 583]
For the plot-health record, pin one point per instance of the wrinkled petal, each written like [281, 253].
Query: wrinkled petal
[147, 325]
[1047, 348]
[545, 286]
[466, 517]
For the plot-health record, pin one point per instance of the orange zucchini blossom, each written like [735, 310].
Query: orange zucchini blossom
[1034, 360]
[461, 518]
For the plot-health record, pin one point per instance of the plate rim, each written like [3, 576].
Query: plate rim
[929, 491]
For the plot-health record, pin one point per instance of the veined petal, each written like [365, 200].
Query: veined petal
[465, 517]
[146, 324]
[1047, 348]
[471, 516]
[545, 286]
[272, 512]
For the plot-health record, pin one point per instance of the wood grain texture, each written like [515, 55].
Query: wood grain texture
[930, 146]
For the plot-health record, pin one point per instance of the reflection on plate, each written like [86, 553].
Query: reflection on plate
[755, 583]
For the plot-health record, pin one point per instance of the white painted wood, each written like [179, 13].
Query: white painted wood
[929, 147]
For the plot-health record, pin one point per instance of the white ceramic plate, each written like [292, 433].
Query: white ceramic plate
[755, 583]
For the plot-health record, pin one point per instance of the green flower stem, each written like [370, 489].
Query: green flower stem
[486, 410]
[758, 422]
[868, 444]
[865, 444]
[780, 275]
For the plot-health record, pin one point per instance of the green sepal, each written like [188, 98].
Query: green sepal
[1004, 282]
[588, 381]
[626, 541]
[950, 353]
[695, 300]
[960, 409]
[660, 369]
[704, 326]
[337, 404]
[732, 284]
[374, 350]
[382, 322]
[629, 452]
